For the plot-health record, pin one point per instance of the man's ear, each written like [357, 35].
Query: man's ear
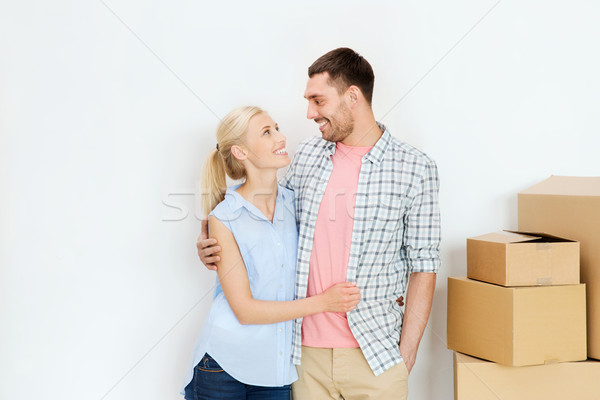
[239, 152]
[353, 93]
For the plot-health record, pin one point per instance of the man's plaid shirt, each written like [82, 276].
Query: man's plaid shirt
[396, 232]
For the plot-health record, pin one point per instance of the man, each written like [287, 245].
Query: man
[367, 210]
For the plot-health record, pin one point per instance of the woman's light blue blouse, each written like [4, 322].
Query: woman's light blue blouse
[255, 354]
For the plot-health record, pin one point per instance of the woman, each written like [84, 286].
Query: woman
[244, 351]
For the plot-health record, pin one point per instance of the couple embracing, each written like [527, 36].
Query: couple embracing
[310, 268]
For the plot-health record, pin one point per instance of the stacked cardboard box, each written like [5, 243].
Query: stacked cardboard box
[476, 379]
[570, 206]
[521, 302]
[523, 259]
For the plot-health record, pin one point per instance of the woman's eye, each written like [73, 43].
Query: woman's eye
[267, 132]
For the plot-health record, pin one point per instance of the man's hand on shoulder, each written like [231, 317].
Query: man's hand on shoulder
[207, 247]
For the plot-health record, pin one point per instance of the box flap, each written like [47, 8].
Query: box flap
[541, 235]
[505, 237]
[567, 186]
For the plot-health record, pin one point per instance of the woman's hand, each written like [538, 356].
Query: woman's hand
[341, 297]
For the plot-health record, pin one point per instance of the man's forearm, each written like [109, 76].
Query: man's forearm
[419, 296]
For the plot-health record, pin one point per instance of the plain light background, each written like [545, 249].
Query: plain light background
[107, 110]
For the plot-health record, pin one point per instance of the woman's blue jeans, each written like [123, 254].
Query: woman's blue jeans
[210, 382]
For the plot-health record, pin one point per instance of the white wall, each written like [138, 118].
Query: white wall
[107, 110]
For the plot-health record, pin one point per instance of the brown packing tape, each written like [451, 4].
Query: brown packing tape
[547, 281]
[543, 246]
[551, 361]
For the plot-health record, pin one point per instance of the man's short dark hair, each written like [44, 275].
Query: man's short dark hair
[345, 68]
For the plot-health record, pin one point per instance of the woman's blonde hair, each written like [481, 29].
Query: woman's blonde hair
[231, 131]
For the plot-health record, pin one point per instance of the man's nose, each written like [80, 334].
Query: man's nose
[311, 113]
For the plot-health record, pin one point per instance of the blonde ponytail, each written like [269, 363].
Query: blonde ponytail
[214, 181]
[231, 131]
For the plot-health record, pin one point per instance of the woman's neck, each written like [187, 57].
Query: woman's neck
[260, 189]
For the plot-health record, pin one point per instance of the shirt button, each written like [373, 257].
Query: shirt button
[281, 285]
[281, 353]
[281, 265]
[280, 329]
[278, 244]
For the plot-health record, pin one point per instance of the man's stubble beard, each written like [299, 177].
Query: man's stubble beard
[344, 124]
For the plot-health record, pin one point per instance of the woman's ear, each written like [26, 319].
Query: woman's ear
[239, 152]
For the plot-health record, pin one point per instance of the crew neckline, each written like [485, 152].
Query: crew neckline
[355, 150]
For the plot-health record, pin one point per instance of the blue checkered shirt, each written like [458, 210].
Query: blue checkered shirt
[396, 232]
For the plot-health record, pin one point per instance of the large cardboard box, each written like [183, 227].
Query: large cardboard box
[570, 207]
[516, 325]
[476, 379]
[523, 259]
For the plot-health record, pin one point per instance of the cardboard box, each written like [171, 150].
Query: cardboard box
[516, 325]
[476, 379]
[523, 259]
[570, 207]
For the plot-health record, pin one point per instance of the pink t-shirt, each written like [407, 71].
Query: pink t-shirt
[331, 248]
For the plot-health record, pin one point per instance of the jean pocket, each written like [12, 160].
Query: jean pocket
[208, 364]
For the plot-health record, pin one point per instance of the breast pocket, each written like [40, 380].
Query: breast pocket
[383, 229]
[388, 211]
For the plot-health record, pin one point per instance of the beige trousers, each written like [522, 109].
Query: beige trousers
[343, 374]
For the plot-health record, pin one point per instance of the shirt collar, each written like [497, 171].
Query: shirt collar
[377, 152]
[375, 155]
[237, 201]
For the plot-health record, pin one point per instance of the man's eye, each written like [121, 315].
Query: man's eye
[317, 102]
